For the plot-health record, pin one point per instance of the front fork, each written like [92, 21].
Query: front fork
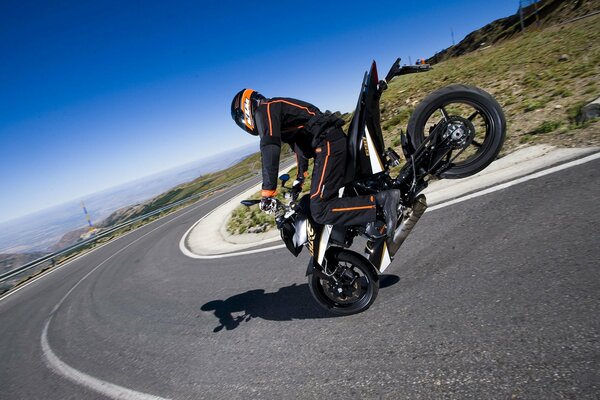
[320, 268]
[315, 268]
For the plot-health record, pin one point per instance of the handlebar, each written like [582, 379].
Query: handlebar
[411, 69]
[280, 206]
[397, 70]
[249, 203]
[394, 70]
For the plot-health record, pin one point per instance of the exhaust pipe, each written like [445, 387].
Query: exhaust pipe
[407, 224]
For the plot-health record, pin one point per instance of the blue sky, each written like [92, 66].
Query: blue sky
[95, 94]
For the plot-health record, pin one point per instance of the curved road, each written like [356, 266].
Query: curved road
[495, 297]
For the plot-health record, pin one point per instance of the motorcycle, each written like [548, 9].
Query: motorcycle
[453, 133]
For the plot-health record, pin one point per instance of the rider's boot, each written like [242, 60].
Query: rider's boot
[388, 200]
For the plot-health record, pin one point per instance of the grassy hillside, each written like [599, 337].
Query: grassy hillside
[540, 93]
[541, 14]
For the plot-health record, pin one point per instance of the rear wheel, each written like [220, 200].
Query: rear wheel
[354, 286]
[475, 125]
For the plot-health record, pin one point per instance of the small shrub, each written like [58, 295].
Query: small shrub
[562, 92]
[546, 127]
[579, 70]
[532, 105]
[532, 80]
[509, 101]
[584, 124]
[526, 139]
[400, 118]
[574, 111]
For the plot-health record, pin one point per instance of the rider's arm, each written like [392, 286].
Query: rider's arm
[270, 147]
[301, 163]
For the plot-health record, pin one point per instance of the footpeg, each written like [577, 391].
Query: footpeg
[393, 159]
[375, 230]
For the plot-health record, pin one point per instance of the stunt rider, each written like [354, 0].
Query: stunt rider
[311, 134]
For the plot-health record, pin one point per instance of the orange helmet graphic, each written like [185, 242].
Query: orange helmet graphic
[242, 109]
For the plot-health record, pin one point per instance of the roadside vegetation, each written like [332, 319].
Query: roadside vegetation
[244, 218]
[542, 78]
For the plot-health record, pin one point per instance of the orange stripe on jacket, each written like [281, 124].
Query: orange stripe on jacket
[292, 128]
[322, 173]
[353, 208]
[269, 115]
[287, 102]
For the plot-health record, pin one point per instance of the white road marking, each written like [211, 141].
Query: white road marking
[183, 248]
[47, 273]
[105, 388]
[189, 253]
[56, 364]
[489, 190]
[516, 181]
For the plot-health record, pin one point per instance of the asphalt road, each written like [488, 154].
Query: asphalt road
[495, 297]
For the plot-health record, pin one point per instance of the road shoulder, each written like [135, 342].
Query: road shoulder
[209, 238]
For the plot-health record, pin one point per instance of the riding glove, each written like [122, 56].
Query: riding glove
[268, 205]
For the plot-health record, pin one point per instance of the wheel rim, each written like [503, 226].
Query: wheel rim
[353, 287]
[482, 121]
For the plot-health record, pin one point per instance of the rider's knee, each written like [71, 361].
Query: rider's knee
[317, 212]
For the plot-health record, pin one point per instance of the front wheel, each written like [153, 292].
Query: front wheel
[352, 288]
[474, 122]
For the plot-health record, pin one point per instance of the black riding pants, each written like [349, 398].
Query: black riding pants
[327, 178]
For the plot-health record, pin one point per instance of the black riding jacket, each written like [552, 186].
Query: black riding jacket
[282, 119]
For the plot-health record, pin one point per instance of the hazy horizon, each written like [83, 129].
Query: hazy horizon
[80, 198]
[42, 229]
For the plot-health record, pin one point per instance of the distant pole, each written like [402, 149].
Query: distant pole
[521, 15]
[409, 60]
[452, 34]
[87, 216]
[537, 17]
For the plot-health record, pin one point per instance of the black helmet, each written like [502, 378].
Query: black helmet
[243, 106]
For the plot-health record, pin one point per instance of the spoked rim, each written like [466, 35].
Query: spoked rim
[473, 116]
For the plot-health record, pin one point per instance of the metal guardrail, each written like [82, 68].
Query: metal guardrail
[50, 257]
